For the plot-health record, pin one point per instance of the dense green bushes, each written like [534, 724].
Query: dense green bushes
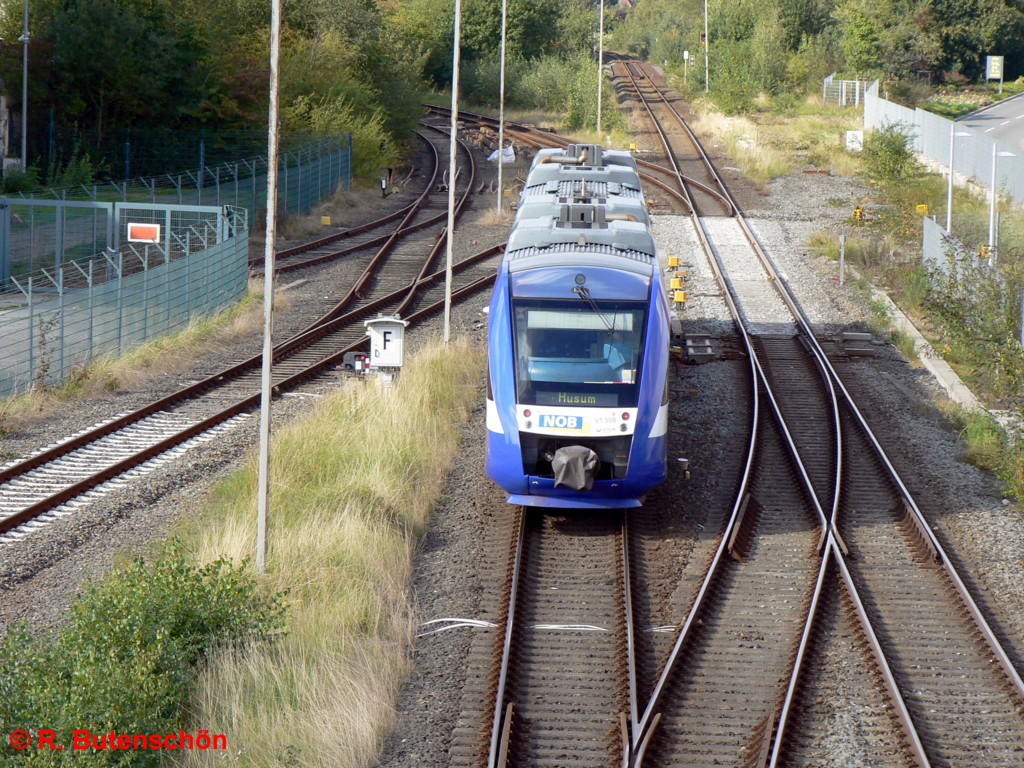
[564, 85]
[775, 45]
[888, 154]
[126, 659]
[978, 309]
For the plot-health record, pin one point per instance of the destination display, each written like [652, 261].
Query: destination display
[599, 399]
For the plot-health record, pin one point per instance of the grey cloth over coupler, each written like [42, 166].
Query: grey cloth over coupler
[574, 467]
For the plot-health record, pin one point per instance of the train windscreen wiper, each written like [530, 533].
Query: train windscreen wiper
[584, 293]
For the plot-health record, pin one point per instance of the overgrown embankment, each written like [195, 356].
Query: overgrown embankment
[298, 666]
[352, 488]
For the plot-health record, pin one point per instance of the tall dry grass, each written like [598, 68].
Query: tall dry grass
[768, 143]
[352, 488]
[756, 159]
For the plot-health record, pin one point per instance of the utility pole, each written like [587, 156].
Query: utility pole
[24, 92]
[263, 484]
[501, 106]
[600, 65]
[452, 149]
[707, 46]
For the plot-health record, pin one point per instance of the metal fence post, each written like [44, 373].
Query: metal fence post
[166, 294]
[120, 298]
[31, 335]
[58, 237]
[60, 289]
[92, 291]
[5, 243]
[202, 163]
[145, 292]
[31, 238]
[330, 169]
[188, 282]
[284, 197]
[348, 161]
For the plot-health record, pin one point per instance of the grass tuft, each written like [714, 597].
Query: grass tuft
[991, 446]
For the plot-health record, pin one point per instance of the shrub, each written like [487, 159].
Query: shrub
[125, 661]
[978, 310]
[568, 85]
[373, 147]
[888, 155]
[21, 181]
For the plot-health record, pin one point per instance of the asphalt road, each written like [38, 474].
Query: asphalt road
[1003, 121]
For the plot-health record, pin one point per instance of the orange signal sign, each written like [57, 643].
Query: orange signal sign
[143, 233]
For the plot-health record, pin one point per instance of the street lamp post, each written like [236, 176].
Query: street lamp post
[24, 92]
[953, 133]
[992, 205]
[266, 377]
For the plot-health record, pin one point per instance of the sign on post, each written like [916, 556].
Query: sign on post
[387, 341]
[994, 69]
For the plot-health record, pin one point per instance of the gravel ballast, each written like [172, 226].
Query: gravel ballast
[982, 530]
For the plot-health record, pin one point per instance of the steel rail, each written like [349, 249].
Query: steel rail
[313, 245]
[501, 729]
[730, 209]
[404, 228]
[642, 733]
[836, 545]
[535, 138]
[504, 707]
[831, 541]
[249, 402]
[281, 352]
[783, 288]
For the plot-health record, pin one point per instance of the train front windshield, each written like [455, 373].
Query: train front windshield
[578, 353]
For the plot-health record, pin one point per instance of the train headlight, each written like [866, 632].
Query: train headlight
[625, 416]
[527, 413]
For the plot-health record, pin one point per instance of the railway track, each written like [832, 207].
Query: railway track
[361, 236]
[401, 277]
[561, 680]
[824, 539]
[946, 673]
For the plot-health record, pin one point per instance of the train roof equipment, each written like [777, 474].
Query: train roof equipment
[581, 234]
[583, 156]
[536, 203]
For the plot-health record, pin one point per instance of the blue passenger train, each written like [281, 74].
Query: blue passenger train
[578, 335]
